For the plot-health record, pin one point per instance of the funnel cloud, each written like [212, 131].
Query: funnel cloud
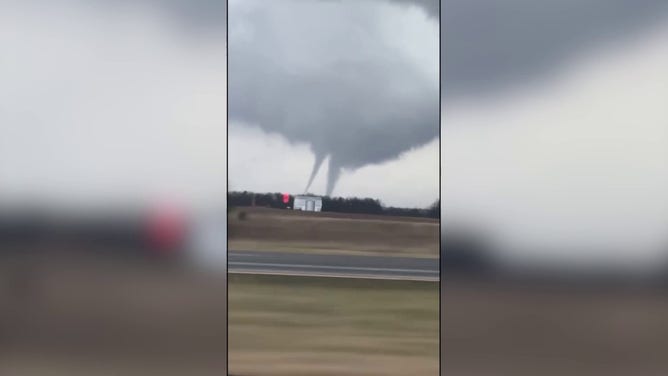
[336, 76]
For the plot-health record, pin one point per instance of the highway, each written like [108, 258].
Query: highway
[343, 266]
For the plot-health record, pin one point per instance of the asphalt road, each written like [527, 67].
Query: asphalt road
[345, 266]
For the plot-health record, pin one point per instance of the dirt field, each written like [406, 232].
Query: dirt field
[492, 329]
[87, 316]
[300, 326]
[260, 229]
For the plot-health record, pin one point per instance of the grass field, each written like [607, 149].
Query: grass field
[318, 326]
[493, 328]
[83, 315]
[261, 229]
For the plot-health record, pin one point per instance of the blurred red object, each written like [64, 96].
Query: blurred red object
[166, 229]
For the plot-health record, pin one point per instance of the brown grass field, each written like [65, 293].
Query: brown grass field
[496, 328]
[261, 229]
[301, 326]
[87, 316]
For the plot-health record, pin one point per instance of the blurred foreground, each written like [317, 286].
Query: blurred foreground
[494, 327]
[107, 296]
[547, 319]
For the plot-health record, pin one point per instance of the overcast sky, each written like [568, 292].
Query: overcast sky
[350, 84]
[112, 101]
[554, 136]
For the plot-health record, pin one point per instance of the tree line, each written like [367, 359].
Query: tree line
[354, 205]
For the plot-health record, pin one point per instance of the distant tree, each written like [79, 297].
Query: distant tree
[434, 210]
[332, 204]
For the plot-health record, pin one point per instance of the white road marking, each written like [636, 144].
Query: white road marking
[353, 268]
[331, 275]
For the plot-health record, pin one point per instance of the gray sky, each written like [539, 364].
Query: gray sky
[554, 137]
[112, 101]
[490, 46]
[356, 82]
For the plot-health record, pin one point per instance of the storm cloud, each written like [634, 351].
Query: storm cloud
[491, 46]
[322, 73]
[193, 17]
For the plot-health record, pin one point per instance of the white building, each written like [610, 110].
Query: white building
[308, 203]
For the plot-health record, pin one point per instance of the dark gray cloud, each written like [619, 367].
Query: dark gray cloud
[194, 14]
[429, 6]
[321, 73]
[191, 16]
[491, 45]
